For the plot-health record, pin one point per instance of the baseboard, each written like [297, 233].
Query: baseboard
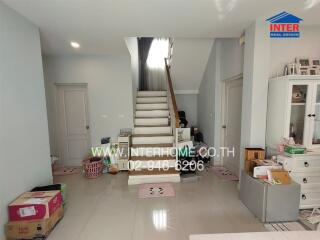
[134, 180]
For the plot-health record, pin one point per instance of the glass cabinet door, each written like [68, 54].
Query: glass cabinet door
[316, 116]
[298, 112]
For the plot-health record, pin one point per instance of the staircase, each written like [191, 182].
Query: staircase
[152, 141]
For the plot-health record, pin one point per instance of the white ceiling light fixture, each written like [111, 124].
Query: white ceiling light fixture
[74, 44]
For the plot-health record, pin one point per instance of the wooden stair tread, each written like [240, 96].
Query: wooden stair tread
[154, 158]
[159, 125]
[149, 110]
[151, 145]
[152, 117]
[163, 109]
[153, 135]
[153, 172]
[151, 103]
[151, 96]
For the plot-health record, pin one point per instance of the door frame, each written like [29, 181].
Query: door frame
[56, 111]
[223, 106]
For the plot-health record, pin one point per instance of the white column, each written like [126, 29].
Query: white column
[255, 86]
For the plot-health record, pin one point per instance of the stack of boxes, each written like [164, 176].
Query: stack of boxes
[252, 154]
[34, 215]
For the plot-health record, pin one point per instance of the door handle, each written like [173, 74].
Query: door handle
[87, 127]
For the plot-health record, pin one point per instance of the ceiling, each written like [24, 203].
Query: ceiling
[100, 26]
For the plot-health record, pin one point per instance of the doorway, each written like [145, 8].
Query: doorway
[231, 119]
[72, 128]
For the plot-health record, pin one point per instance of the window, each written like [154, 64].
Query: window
[158, 52]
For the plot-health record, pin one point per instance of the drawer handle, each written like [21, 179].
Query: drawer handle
[305, 180]
[306, 164]
[304, 197]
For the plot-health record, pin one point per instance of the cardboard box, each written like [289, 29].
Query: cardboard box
[34, 206]
[33, 229]
[279, 176]
[261, 172]
[252, 154]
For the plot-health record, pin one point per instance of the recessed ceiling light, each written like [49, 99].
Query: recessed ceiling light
[74, 44]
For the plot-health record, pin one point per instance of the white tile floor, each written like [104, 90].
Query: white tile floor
[107, 208]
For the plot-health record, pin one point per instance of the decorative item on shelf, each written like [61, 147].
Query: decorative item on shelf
[315, 62]
[304, 62]
[304, 71]
[313, 71]
[298, 96]
[292, 69]
[303, 66]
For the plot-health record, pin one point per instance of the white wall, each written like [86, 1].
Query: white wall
[189, 104]
[284, 51]
[24, 146]
[225, 62]
[231, 58]
[133, 47]
[189, 60]
[109, 80]
[255, 86]
[190, 56]
[206, 99]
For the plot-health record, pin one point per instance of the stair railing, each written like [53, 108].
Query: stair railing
[173, 109]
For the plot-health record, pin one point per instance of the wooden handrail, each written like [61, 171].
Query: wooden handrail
[173, 98]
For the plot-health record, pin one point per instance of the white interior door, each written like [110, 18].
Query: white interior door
[73, 124]
[232, 106]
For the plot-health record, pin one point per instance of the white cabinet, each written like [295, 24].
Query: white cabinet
[124, 149]
[305, 170]
[294, 110]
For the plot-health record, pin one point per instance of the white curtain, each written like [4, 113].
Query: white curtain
[156, 78]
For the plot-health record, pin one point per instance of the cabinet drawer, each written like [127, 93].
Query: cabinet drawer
[309, 187]
[300, 165]
[123, 165]
[310, 197]
[306, 177]
[123, 151]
